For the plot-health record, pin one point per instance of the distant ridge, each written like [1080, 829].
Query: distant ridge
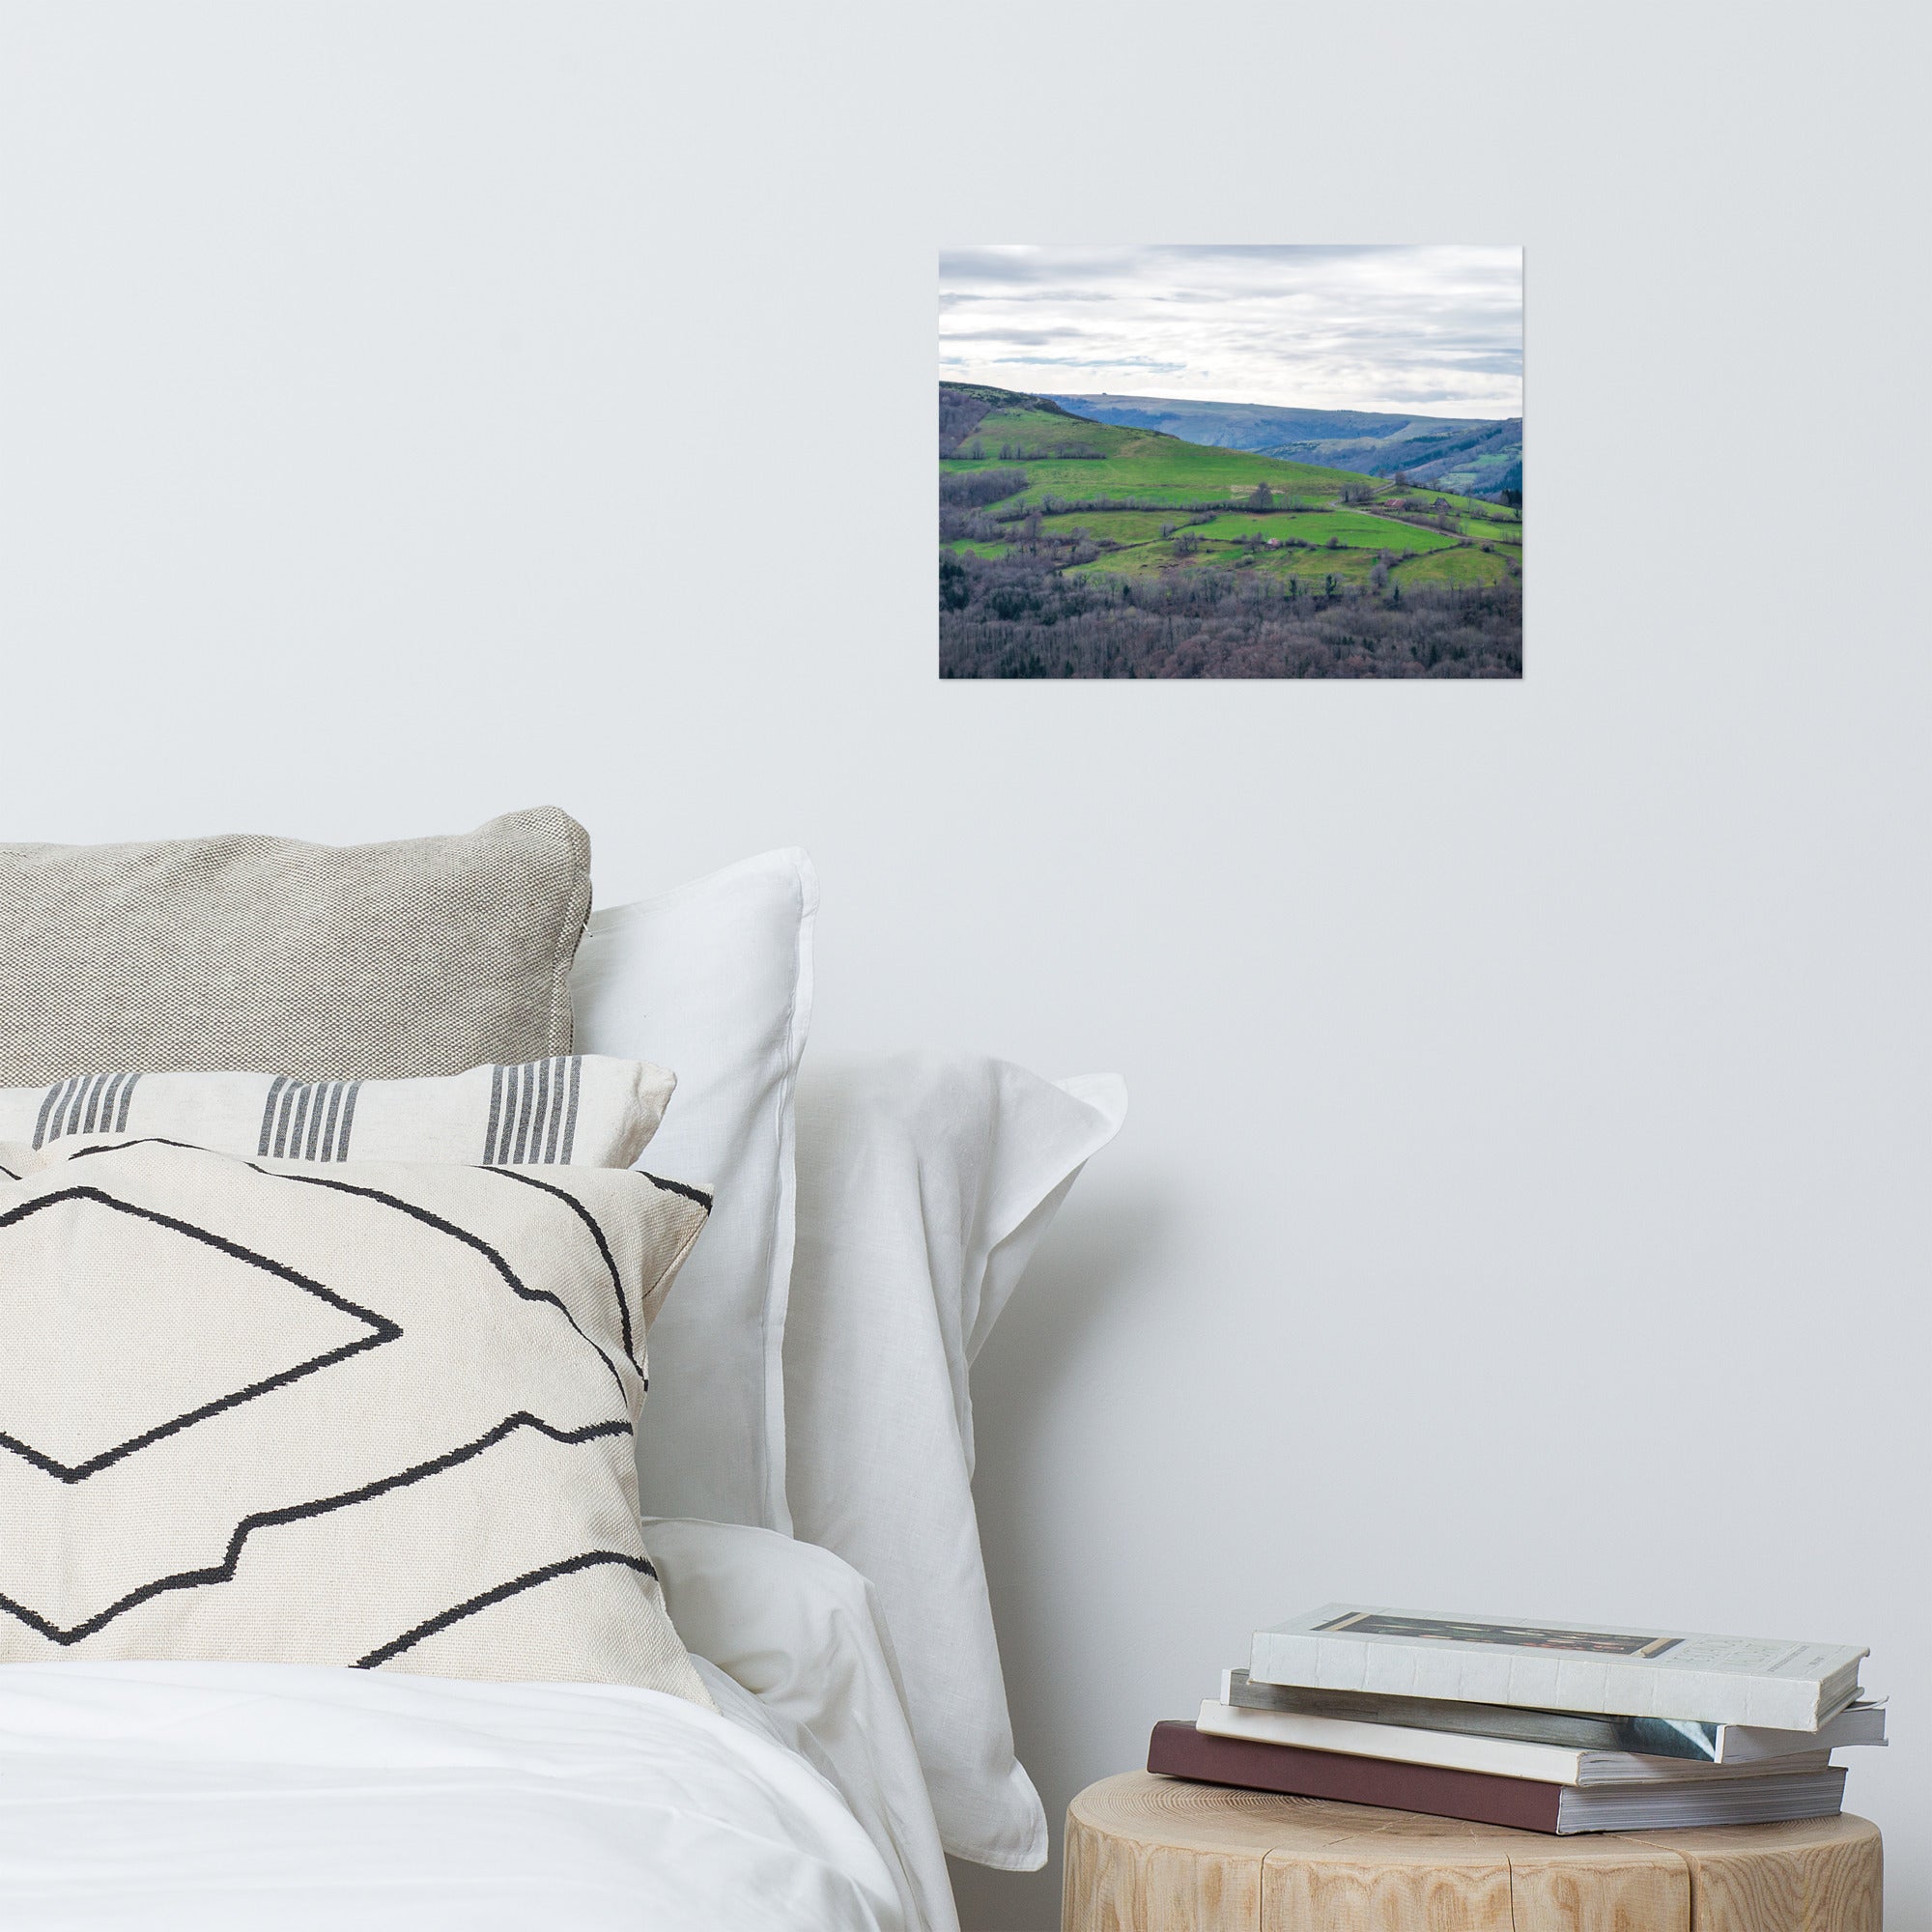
[1476, 454]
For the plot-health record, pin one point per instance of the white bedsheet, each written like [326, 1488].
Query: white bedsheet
[225, 1796]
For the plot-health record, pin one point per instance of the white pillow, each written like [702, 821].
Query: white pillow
[714, 981]
[925, 1181]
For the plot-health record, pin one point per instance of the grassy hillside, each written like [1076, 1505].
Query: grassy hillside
[1109, 502]
[1073, 459]
[1149, 470]
[963, 405]
[1471, 453]
[1061, 536]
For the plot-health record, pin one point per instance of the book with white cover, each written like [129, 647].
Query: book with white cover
[1859, 1723]
[1492, 1757]
[1557, 1667]
[1520, 1804]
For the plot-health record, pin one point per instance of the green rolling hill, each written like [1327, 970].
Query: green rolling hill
[1075, 548]
[1074, 457]
[1135, 502]
[1477, 454]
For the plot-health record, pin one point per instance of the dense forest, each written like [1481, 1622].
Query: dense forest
[1146, 556]
[1018, 615]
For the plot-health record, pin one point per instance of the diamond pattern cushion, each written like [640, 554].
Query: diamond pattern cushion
[365, 1415]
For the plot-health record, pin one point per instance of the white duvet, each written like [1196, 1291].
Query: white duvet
[223, 1796]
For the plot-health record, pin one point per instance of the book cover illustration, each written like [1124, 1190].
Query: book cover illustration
[1516, 1636]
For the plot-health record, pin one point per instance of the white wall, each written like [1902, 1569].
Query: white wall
[1525, 1204]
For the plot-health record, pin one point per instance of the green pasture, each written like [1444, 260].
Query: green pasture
[978, 549]
[1453, 566]
[1148, 559]
[1160, 560]
[1487, 531]
[1238, 523]
[1350, 527]
[1422, 502]
[1309, 567]
[1141, 463]
[1119, 526]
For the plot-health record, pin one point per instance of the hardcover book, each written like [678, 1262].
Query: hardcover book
[1640, 1673]
[1181, 1750]
[1859, 1723]
[1494, 1757]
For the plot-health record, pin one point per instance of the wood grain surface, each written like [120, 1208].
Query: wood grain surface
[1148, 1853]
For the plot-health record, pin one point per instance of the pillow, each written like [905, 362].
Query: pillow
[801, 1631]
[322, 962]
[715, 979]
[575, 1109]
[926, 1182]
[377, 1414]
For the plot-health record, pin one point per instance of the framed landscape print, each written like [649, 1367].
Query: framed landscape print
[1217, 462]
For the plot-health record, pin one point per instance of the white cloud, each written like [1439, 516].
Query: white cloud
[1436, 326]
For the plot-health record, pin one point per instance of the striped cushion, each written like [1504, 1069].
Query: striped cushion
[572, 1110]
[375, 1414]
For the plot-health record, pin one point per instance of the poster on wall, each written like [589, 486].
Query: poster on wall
[1209, 462]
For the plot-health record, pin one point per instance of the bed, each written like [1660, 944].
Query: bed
[227, 1793]
[832, 1722]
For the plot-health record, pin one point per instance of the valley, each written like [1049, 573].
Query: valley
[1072, 546]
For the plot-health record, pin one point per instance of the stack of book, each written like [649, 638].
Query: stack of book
[1547, 1727]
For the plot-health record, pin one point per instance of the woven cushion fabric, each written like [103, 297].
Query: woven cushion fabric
[321, 962]
[375, 1414]
[573, 1109]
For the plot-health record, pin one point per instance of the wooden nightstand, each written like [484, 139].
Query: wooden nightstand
[1148, 1853]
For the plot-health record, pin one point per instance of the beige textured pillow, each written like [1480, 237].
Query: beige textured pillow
[374, 1414]
[321, 962]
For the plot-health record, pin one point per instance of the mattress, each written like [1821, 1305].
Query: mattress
[223, 1796]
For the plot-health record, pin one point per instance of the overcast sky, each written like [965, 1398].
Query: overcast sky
[1434, 328]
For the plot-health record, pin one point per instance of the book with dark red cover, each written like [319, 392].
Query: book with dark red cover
[1178, 1750]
